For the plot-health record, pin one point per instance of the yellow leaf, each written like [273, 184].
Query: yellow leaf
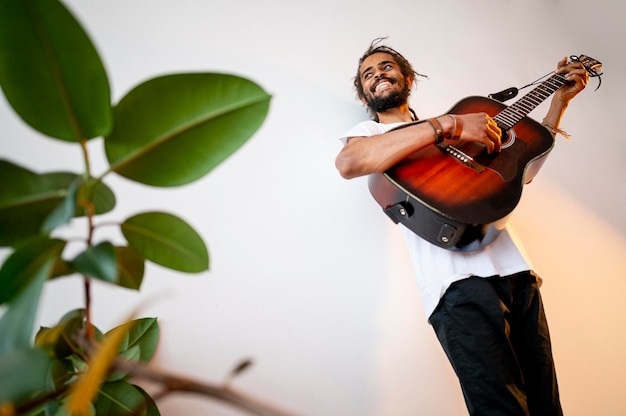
[7, 409]
[86, 387]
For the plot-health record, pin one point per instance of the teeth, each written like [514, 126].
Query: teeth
[382, 85]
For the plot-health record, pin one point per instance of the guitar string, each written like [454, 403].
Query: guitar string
[544, 89]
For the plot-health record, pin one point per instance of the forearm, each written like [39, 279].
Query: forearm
[375, 154]
[577, 78]
[555, 112]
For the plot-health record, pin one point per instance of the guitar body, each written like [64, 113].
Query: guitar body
[457, 196]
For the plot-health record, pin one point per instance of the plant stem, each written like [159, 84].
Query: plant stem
[90, 214]
[89, 331]
[83, 146]
[89, 208]
[173, 384]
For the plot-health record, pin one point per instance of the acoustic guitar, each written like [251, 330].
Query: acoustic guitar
[458, 196]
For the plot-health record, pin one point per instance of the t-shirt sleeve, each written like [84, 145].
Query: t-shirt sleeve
[363, 129]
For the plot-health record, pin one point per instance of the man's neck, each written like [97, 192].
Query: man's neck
[396, 115]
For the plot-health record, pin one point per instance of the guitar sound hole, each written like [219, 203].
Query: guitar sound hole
[508, 138]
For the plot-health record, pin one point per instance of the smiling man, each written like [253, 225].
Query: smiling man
[484, 305]
[387, 84]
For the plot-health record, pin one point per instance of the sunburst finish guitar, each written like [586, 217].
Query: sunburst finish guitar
[459, 197]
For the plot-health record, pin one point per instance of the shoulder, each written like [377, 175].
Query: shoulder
[367, 128]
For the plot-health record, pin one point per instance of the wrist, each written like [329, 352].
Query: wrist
[438, 129]
[560, 102]
[457, 127]
[554, 129]
[448, 125]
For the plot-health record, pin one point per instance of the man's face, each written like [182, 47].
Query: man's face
[384, 86]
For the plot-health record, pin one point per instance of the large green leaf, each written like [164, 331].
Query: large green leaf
[64, 211]
[143, 333]
[59, 341]
[97, 194]
[121, 398]
[82, 198]
[119, 265]
[50, 71]
[22, 277]
[33, 204]
[130, 268]
[166, 240]
[62, 340]
[60, 373]
[174, 129]
[27, 200]
[22, 373]
[139, 343]
[26, 264]
[97, 261]
[150, 405]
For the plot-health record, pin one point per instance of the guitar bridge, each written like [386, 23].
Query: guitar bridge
[462, 157]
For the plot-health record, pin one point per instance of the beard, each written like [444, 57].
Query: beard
[389, 101]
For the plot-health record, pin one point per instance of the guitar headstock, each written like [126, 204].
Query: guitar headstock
[593, 66]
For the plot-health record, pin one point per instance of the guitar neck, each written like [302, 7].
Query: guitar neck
[510, 116]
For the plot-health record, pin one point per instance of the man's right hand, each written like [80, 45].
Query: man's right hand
[481, 128]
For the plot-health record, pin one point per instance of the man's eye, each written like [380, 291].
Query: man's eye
[368, 75]
[387, 67]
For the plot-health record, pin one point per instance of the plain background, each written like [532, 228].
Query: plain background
[308, 277]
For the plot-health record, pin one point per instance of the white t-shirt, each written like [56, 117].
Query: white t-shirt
[436, 268]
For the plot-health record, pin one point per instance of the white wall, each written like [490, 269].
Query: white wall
[308, 277]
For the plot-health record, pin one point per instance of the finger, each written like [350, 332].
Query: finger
[578, 70]
[495, 139]
[578, 80]
[498, 142]
[492, 125]
[494, 135]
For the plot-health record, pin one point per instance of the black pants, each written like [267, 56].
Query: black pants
[495, 334]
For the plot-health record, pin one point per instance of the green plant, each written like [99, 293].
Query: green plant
[184, 124]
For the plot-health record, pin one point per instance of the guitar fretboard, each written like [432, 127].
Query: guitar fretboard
[510, 116]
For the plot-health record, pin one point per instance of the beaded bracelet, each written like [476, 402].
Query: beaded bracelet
[555, 130]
